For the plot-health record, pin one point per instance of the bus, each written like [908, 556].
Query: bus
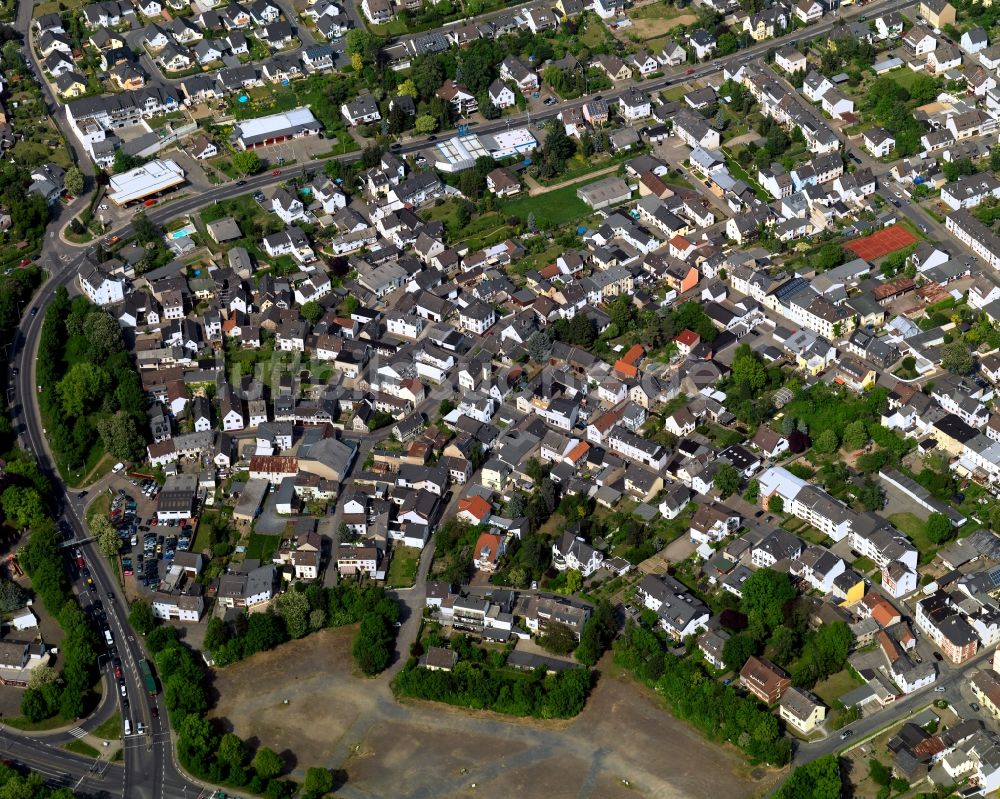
[147, 678]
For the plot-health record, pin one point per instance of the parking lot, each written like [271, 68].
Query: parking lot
[147, 546]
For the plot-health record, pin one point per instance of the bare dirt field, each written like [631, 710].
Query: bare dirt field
[421, 750]
[652, 27]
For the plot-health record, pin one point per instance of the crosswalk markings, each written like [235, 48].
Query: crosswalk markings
[76, 732]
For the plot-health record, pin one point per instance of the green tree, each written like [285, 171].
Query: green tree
[752, 494]
[939, 528]
[371, 647]
[765, 594]
[826, 442]
[312, 311]
[783, 645]
[828, 256]
[737, 650]
[776, 504]
[73, 181]
[146, 231]
[727, 479]
[956, 357]
[317, 783]
[293, 607]
[42, 676]
[558, 639]
[880, 773]
[819, 779]
[107, 537]
[855, 435]
[748, 370]
[121, 437]
[82, 388]
[247, 162]
[22, 506]
[12, 597]
[574, 581]
[425, 124]
[598, 633]
[216, 633]
[232, 751]
[622, 313]
[267, 763]
[361, 42]
[871, 496]
[141, 618]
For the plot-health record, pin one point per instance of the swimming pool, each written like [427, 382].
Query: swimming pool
[187, 230]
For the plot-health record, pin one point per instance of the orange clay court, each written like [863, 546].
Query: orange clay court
[881, 243]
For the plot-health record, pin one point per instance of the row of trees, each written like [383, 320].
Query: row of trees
[718, 711]
[202, 750]
[302, 610]
[68, 695]
[16, 289]
[820, 779]
[90, 390]
[482, 686]
[16, 786]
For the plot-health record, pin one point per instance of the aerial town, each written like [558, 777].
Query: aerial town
[411, 398]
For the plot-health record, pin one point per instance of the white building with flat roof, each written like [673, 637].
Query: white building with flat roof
[460, 152]
[276, 128]
[143, 181]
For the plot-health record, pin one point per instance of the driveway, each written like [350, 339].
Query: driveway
[269, 522]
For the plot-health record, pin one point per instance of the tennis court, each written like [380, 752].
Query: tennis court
[881, 243]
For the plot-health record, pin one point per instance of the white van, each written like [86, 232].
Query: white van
[117, 467]
[107, 637]
[128, 727]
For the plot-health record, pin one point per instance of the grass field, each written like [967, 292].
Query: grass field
[403, 567]
[558, 207]
[81, 748]
[21, 723]
[262, 547]
[110, 729]
[835, 686]
[101, 506]
[916, 530]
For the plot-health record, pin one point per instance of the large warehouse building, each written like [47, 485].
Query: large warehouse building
[276, 128]
[144, 181]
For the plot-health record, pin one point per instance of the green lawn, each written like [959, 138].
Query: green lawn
[262, 547]
[81, 748]
[21, 723]
[558, 207]
[835, 686]
[403, 567]
[741, 174]
[203, 537]
[578, 166]
[101, 506]
[109, 729]
[655, 11]
[811, 535]
[904, 77]
[916, 530]
[538, 260]
[865, 565]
